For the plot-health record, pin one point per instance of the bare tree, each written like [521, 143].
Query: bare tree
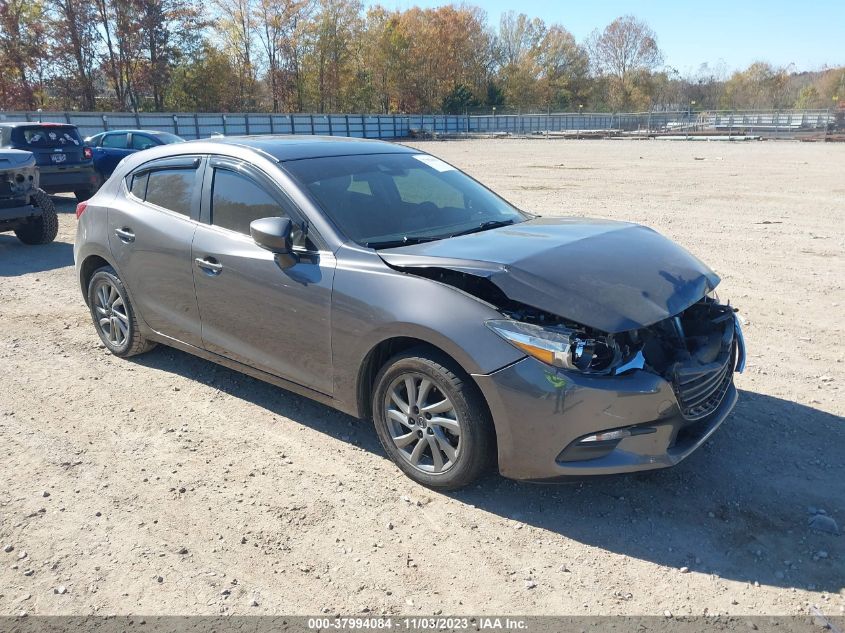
[626, 50]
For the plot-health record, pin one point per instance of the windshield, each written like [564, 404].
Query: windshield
[384, 200]
[47, 136]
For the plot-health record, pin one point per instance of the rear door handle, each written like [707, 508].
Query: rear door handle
[209, 265]
[125, 234]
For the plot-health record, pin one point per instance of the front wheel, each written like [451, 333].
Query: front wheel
[114, 316]
[431, 420]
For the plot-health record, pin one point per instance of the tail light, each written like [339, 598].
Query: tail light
[80, 209]
[87, 153]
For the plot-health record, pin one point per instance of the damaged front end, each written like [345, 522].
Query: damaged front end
[696, 351]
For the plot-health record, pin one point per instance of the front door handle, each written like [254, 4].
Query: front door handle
[209, 265]
[125, 234]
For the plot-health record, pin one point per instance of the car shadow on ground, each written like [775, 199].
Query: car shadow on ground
[17, 258]
[738, 508]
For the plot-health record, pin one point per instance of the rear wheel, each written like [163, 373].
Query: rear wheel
[113, 315]
[431, 420]
[43, 229]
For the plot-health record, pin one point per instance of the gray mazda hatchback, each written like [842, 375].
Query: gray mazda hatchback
[384, 282]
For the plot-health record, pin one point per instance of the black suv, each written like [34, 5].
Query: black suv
[63, 159]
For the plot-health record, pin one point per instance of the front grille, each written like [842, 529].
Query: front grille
[701, 388]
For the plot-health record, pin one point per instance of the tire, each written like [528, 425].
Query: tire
[83, 194]
[466, 427]
[109, 303]
[41, 230]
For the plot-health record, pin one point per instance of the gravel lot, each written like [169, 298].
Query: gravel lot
[167, 485]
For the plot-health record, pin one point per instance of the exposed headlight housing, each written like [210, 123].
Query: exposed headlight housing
[559, 346]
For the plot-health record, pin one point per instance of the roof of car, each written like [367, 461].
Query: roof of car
[30, 123]
[295, 147]
[128, 131]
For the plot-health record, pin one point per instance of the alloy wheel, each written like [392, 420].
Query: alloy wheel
[423, 423]
[111, 313]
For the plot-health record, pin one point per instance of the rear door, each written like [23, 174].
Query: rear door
[112, 148]
[252, 310]
[51, 143]
[151, 227]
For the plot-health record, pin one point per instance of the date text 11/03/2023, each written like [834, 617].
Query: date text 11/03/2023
[436, 623]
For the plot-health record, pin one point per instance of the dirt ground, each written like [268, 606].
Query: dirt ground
[167, 485]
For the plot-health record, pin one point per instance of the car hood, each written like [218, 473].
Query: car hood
[611, 276]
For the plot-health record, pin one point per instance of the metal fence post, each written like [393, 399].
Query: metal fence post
[224, 124]
[196, 125]
[329, 120]
[312, 125]
[246, 122]
[176, 125]
[363, 126]
[346, 118]
[292, 124]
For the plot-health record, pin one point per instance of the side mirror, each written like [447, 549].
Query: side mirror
[273, 234]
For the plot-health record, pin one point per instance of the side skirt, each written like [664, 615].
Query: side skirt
[298, 389]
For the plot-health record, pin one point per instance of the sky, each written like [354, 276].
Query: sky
[808, 34]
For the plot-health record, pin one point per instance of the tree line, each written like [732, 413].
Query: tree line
[338, 56]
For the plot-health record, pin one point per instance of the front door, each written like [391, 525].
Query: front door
[252, 309]
[150, 235]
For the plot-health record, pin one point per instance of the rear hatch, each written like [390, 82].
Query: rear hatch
[50, 143]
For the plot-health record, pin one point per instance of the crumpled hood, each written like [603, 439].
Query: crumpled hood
[611, 276]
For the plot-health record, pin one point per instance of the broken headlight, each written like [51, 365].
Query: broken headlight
[559, 346]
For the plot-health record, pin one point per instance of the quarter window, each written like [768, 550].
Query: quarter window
[139, 185]
[171, 189]
[237, 200]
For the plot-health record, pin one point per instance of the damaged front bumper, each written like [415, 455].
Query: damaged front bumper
[555, 424]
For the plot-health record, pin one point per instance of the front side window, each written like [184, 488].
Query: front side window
[139, 141]
[382, 200]
[115, 141]
[237, 200]
[171, 189]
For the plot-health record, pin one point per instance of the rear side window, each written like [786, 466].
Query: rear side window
[171, 189]
[237, 200]
[46, 136]
[117, 141]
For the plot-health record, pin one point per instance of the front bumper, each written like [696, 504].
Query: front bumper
[541, 413]
[58, 179]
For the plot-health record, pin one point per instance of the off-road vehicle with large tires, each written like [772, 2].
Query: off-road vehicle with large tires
[24, 208]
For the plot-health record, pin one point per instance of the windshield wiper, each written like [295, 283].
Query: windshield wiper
[484, 226]
[404, 241]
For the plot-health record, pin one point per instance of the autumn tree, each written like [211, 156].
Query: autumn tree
[22, 25]
[626, 51]
[75, 39]
[236, 24]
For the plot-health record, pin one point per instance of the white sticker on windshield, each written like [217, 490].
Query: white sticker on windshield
[434, 162]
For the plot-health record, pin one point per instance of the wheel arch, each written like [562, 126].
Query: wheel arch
[386, 349]
[87, 268]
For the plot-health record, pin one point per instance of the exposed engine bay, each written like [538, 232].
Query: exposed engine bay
[694, 350]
